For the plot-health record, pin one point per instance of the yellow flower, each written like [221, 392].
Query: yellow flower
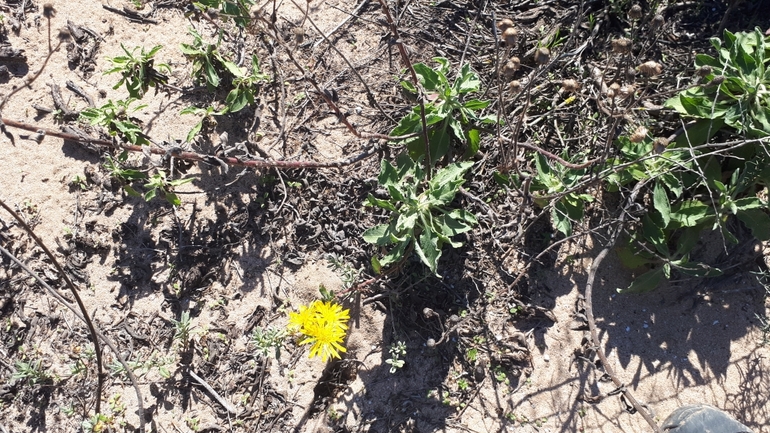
[323, 324]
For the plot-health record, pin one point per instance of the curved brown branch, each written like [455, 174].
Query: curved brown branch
[590, 313]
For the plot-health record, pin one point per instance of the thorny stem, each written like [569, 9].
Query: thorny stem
[405, 57]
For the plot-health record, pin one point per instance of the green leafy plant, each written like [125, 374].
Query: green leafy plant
[205, 115]
[237, 10]
[210, 66]
[139, 72]
[115, 117]
[183, 330]
[268, 339]
[447, 113]
[735, 88]
[31, 372]
[420, 213]
[158, 184]
[397, 353]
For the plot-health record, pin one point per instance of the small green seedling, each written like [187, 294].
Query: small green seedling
[448, 115]
[397, 353]
[31, 372]
[139, 72]
[268, 339]
[420, 213]
[237, 10]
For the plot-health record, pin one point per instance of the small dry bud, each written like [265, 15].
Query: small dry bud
[570, 85]
[630, 74]
[621, 45]
[635, 13]
[542, 56]
[511, 67]
[657, 22]
[659, 144]
[514, 86]
[431, 343]
[650, 68]
[719, 79]
[48, 10]
[613, 90]
[704, 70]
[504, 24]
[639, 134]
[510, 35]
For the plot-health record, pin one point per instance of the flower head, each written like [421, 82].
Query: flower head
[323, 325]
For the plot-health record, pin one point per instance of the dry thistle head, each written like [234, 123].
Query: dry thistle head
[704, 70]
[504, 24]
[657, 22]
[651, 68]
[635, 13]
[542, 56]
[514, 86]
[510, 35]
[621, 45]
[639, 134]
[570, 85]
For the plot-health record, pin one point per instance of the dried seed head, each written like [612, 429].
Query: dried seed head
[660, 144]
[504, 24]
[650, 68]
[630, 74]
[48, 10]
[570, 85]
[704, 70]
[509, 69]
[657, 22]
[719, 79]
[510, 35]
[627, 91]
[640, 133]
[514, 86]
[635, 13]
[613, 90]
[621, 45]
[542, 56]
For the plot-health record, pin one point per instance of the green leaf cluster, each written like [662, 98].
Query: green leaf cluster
[420, 214]
[139, 72]
[735, 89]
[449, 116]
[211, 67]
[557, 180]
[115, 117]
[155, 185]
[237, 10]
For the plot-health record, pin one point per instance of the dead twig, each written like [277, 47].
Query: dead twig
[73, 289]
[132, 16]
[590, 312]
[177, 152]
[229, 407]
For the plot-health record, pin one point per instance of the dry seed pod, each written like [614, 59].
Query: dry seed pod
[639, 134]
[510, 35]
[635, 13]
[657, 22]
[650, 68]
[514, 86]
[621, 45]
[612, 91]
[704, 70]
[542, 56]
[570, 85]
[504, 24]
